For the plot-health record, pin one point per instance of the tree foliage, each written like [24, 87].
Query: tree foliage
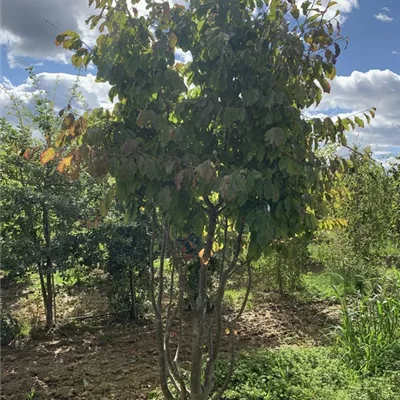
[217, 145]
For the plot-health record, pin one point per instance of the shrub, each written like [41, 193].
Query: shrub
[333, 251]
[10, 328]
[303, 374]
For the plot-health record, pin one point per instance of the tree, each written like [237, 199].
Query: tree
[41, 208]
[218, 147]
[127, 247]
[369, 219]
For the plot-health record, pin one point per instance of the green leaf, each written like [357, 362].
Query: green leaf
[122, 190]
[105, 205]
[146, 117]
[70, 33]
[359, 122]
[173, 40]
[232, 186]
[275, 136]
[305, 6]
[294, 11]
[325, 85]
[250, 97]
[205, 172]
[164, 198]
[149, 168]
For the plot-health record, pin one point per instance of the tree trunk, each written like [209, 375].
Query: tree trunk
[279, 276]
[42, 285]
[133, 295]
[49, 270]
[49, 299]
[196, 389]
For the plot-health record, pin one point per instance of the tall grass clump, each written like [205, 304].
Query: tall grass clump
[369, 335]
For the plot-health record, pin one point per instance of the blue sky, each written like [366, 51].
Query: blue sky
[368, 71]
[372, 41]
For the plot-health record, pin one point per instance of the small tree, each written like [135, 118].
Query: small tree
[41, 209]
[218, 146]
[369, 219]
[127, 260]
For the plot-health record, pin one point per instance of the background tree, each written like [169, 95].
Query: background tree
[214, 146]
[44, 213]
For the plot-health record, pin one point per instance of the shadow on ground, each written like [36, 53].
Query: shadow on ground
[99, 360]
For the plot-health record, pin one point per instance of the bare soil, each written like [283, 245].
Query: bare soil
[99, 359]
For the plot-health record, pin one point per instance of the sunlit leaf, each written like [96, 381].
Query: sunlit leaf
[64, 163]
[47, 155]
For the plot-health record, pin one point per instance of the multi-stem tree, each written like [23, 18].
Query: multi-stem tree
[218, 146]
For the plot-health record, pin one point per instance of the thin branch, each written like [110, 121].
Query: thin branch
[157, 311]
[151, 262]
[228, 377]
[231, 327]
[246, 297]
[162, 261]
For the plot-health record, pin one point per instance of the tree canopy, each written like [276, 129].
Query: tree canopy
[218, 142]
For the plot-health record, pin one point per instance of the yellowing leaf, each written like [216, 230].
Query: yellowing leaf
[359, 122]
[64, 163]
[173, 40]
[47, 155]
[201, 256]
[215, 246]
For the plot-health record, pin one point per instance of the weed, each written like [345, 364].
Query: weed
[369, 336]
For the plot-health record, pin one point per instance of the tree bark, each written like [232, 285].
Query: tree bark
[42, 285]
[133, 295]
[49, 270]
[196, 389]
[156, 303]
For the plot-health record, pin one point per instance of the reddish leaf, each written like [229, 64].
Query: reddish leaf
[27, 154]
[59, 39]
[80, 126]
[179, 179]
[68, 123]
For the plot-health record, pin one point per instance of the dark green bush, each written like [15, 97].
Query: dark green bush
[10, 328]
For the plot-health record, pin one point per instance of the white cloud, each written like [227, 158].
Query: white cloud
[57, 87]
[182, 56]
[344, 7]
[395, 53]
[361, 91]
[383, 17]
[29, 27]
[387, 9]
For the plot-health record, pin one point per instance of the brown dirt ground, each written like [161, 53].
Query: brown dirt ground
[104, 360]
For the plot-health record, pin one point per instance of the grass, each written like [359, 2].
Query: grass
[322, 285]
[304, 374]
[234, 298]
